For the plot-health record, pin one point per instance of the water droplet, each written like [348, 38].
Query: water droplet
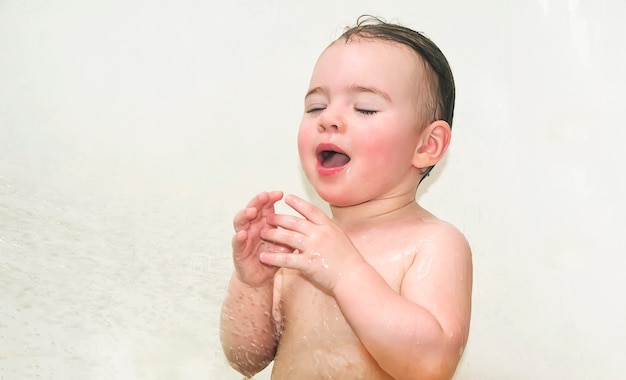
[324, 263]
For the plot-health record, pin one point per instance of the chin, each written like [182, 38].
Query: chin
[331, 190]
[338, 198]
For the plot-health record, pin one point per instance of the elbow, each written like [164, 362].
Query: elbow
[245, 361]
[250, 351]
[445, 355]
[439, 363]
[247, 354]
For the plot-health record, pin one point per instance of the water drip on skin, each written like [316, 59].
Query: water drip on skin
[424, 267]
[315, 255]
[324, 263]
[401, 255]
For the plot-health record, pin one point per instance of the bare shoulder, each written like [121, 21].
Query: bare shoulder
[440, 276]
[441, 249]
[444, 236]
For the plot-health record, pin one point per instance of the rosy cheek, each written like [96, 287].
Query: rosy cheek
[305, 142]
[375, 145]
[381, 153]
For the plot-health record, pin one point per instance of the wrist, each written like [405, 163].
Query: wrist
[237, 281]
[349, 282]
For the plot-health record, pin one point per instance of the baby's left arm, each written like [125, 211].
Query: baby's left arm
[422, 331]
[419, 332]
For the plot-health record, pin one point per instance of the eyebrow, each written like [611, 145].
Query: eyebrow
[353, 89]
[372, 90]
[315, 90]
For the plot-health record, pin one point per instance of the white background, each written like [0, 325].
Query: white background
[132, 131]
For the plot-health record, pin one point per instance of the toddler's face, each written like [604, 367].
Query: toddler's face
[361, 124]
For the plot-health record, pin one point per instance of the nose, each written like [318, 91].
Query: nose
[332, 121]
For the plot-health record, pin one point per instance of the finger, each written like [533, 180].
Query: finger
[242, 219]
[283, 260]
[273, 197]
[259, 206]
[306, 209]
[239, 241]
[289, 222]
[292, 239]
[259, 199]
[265, 200]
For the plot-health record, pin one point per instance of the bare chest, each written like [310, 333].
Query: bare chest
[317, 342]
[316, 338]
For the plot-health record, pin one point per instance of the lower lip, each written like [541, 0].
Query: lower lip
[329, 171]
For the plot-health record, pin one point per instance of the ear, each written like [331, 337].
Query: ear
[433, 143]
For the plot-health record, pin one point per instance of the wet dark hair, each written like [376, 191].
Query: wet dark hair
[439, 101]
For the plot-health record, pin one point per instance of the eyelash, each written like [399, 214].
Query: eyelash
[359, 110]
[316, 109]
[366, 112]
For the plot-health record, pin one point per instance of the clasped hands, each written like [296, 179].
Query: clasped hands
[313, 243]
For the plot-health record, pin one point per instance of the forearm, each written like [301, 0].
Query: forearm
[247, 331]
[404, 338]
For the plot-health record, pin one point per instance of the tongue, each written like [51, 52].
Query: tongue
[335, 159]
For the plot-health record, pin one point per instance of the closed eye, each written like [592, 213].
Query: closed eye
[315, 109]
[366, 112]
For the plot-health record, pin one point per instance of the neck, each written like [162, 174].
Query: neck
[360, 215]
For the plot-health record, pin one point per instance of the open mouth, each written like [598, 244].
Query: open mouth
[332, 158]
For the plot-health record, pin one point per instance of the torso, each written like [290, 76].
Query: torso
[317, 342]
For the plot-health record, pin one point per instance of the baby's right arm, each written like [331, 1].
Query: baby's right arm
[248, 333]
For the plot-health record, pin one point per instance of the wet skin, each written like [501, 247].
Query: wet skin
[317, 341]
[382, 288]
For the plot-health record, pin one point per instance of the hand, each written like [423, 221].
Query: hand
[321, 250]
[247, 243]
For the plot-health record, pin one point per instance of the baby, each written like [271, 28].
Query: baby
[382, 289]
